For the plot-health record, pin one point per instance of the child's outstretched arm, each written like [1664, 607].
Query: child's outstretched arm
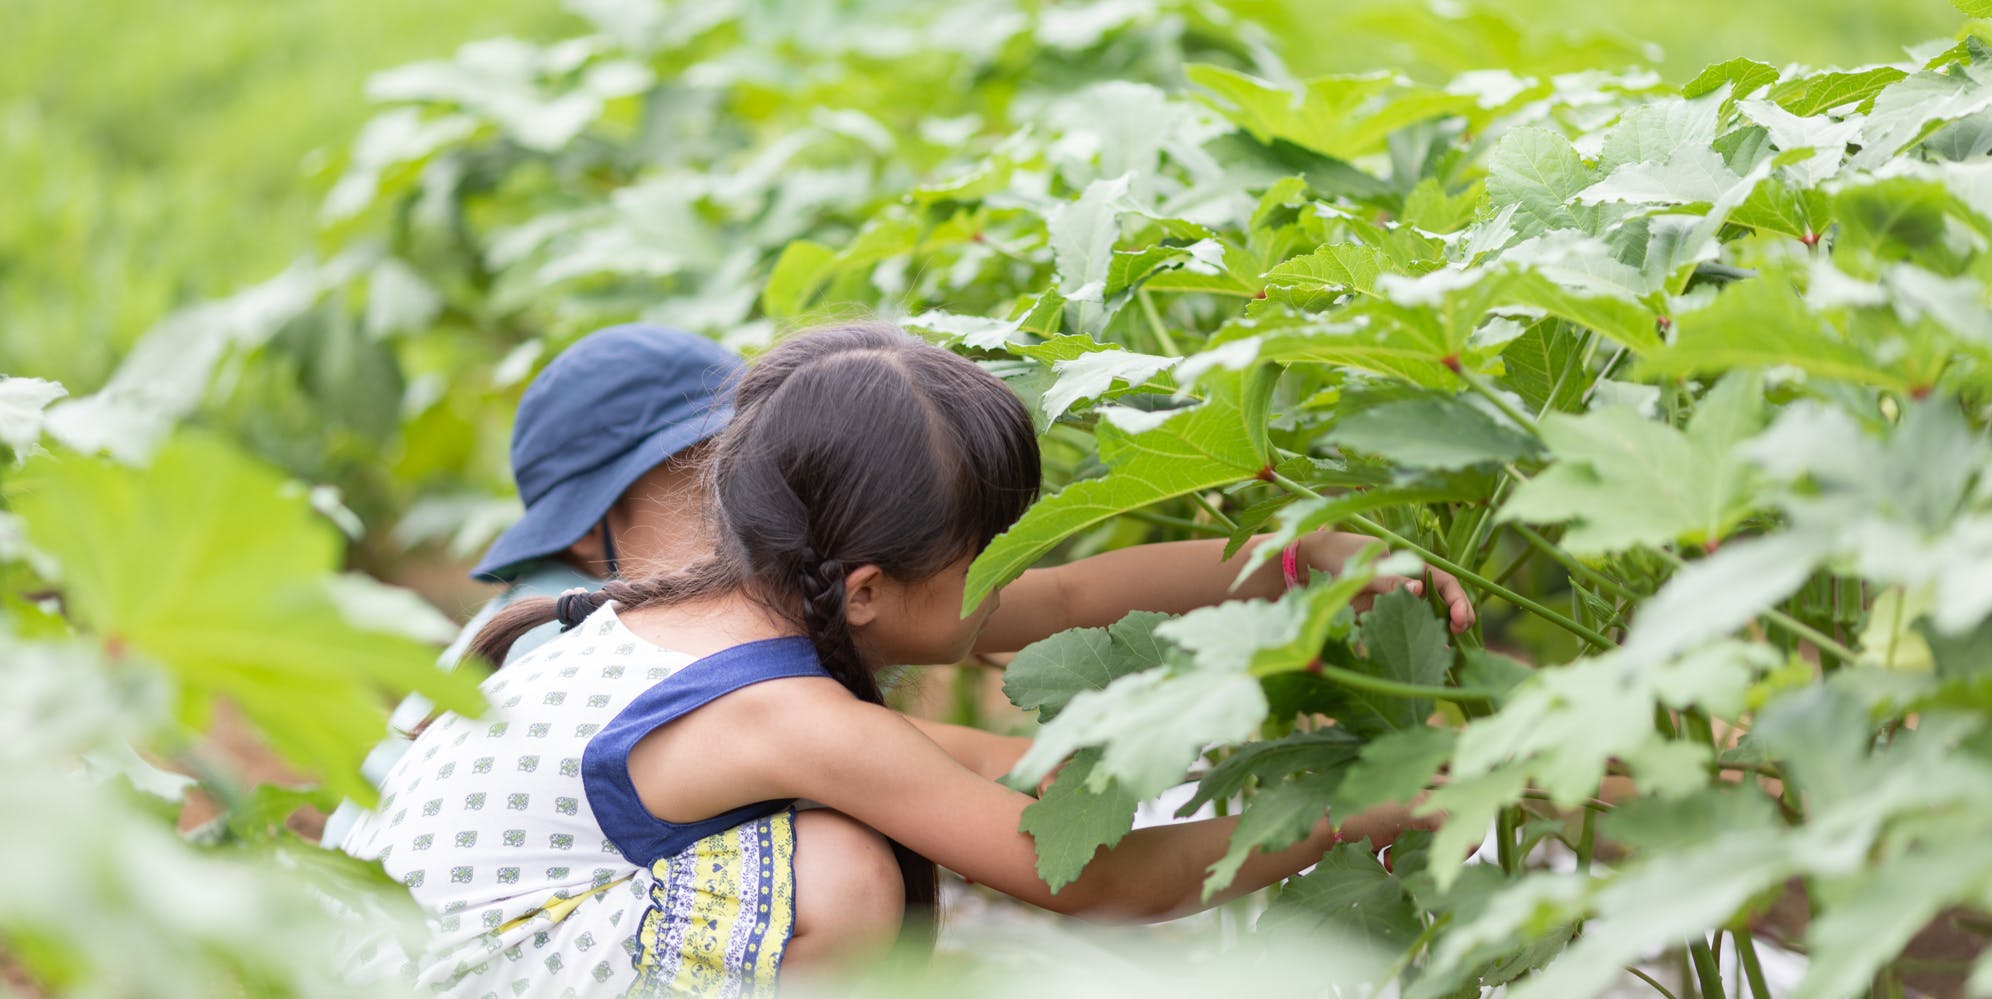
[875, 766]
[1172, 577]
[985, 753]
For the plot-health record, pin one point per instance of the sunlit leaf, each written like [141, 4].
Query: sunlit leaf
[1624, 480]
[1214, 444]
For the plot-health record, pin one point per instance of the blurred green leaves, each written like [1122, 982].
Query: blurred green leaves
[212, 568]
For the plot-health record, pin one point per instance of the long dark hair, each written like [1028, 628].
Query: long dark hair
[852, 445]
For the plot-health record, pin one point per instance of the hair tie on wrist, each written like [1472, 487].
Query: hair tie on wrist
[1290, 569]
[573, 607]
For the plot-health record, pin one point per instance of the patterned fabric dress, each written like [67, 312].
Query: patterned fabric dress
[522, 836]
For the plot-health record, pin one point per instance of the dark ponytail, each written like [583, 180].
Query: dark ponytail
[850, 446]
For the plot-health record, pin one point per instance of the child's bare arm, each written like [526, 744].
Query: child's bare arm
[986, 754]
[875, 766]
[1171, 577]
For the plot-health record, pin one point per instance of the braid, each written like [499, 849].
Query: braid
[711, 575]
[821, 583]
[630, 595]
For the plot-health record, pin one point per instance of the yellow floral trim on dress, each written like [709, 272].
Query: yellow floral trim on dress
[721, 912]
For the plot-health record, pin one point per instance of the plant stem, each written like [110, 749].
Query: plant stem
[1230, 526]
[1894, 633]
[1367, 526]
[1761, 769]
[1603, 374]
[1753, 970]
[1501, 578]
[1697, 722]
[1931, 964]
[1650, 980]
[1182, 524]
[1574, 564]
[1484, 526]
[1376, 530]
[1424, 937]
[1581, 361]
[1706, 970]
[1162, 338]
[1479, 384]
[1589, 804]
[1822, 641]
[1587, 839]
[1394, 688]
[1663, 722]
[1504, 840]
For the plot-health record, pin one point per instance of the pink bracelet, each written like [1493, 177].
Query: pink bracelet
[1290, 566]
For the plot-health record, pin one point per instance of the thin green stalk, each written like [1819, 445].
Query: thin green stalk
[1707, 971]
[1664, 722]
[1698, 725]
[1479, 384]
[1650, 980]
[1753, 970]
[966, 706]
[1501, 578]
[1394, 688]
[1504, 840]
[1982, 927]
[1582, 361]
[1822, 641]
[1230, 526]
[1587, 840]
[1932, 964]
[1588, 804]
[1425, 937]
[1370, 527]
[1604, 373]
[1761, 769]
[1484, 526]
[1180, 523]
[1887, 985]
[1376, 530]
[1572, 563]
[1162, 338]
[1894, 634]
[1465, 575]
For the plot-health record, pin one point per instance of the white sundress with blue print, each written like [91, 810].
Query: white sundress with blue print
[521, 835]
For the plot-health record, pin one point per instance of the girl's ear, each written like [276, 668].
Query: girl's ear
[864, 588]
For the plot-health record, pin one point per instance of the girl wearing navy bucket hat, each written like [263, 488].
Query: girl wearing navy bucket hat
[603, 452]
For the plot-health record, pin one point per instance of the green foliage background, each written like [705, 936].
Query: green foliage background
[1684, 372]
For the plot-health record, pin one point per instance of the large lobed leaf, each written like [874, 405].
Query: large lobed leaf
[1623, 480]
[1216, 443]
[214, 569]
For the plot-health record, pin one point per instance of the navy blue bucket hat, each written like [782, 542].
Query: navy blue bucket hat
[611, 407]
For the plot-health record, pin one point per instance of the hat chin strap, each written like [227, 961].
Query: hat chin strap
[609, 549]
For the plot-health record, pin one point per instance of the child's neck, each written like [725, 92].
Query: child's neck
[703, 626]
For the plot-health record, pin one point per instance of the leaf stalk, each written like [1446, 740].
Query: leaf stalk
[1376, 530]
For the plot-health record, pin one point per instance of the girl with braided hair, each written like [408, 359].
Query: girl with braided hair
[625, 818]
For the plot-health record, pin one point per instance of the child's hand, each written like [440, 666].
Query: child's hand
[1381, 824]
[1328, 551]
